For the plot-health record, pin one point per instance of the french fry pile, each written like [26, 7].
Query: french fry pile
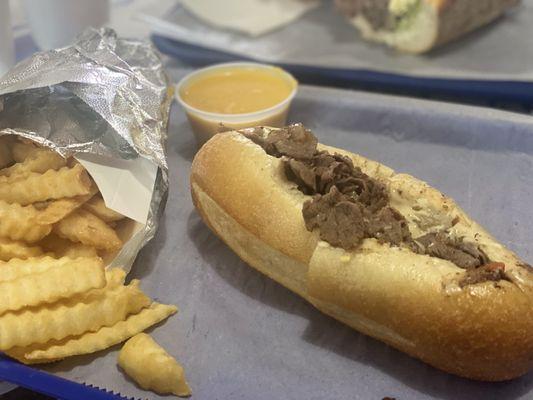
[56, 297]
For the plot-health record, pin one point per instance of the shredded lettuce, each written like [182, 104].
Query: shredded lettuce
[398, 7]
[405, 19]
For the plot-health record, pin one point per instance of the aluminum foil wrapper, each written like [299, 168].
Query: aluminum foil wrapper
[103, 95]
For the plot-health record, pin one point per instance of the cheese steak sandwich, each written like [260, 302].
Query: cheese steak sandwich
[417, 26]
[380, 251]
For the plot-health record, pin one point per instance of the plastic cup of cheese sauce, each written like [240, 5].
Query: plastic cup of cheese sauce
[235, 96]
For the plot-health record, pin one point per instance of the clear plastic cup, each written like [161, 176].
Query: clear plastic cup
[207, 124]
[7, 52]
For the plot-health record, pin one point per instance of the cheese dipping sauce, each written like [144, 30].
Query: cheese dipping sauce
[236, 95]
[237, 90]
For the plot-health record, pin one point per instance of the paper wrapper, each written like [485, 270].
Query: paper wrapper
[105, 101]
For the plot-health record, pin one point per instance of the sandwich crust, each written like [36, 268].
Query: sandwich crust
[436, 23]
[459, 17]
[412, 302]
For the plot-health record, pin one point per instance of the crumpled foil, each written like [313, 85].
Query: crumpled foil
[102, 95]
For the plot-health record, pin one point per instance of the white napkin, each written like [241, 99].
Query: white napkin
[7, 53]
[126, 185]
[254, 17]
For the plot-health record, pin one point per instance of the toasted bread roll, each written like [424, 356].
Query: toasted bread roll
[473, 320]
[417, 26]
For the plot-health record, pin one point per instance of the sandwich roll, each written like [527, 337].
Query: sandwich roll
[417, 26]
[383, 252]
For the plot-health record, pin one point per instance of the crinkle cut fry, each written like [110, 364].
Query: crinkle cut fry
[66, 182]
[17, 249]
[51, 212]
[39, 162]
[20, 223]
[59, 282]
[17, 268]
[97, 206]
[104, 338]
[65, 248]
[71, 317]
[148, 364]
[83, 227]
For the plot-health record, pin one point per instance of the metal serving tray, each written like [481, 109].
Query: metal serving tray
[493, 65]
